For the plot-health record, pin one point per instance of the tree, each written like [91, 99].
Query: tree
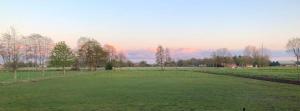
[143, 64]
[274, 63]
[255, 56]
[209, 62]
[111, 53]
[48, 46]
[32, 48]
[37, 49]
[128, 63]
[121, 59]
[81, 59]
[221, 57]
[293, 46]
[160, 57]
[238, 60]
[10, 50]
[76, 64]
[2, 52]
[168, 58]
[249, 54]
[92, 54]
[81, 41]
[61, 56]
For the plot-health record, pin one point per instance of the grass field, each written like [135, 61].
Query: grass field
[271, 73]
[149, 90]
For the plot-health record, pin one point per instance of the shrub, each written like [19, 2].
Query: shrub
[108, 66]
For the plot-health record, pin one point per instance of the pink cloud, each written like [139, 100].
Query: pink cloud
[148, 54]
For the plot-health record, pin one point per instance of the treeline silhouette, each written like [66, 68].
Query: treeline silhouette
[37, 51]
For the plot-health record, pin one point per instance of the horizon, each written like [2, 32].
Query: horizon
[188, 28]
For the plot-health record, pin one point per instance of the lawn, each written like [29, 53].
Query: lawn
[133, 90]
[272, 73]
[8, 77]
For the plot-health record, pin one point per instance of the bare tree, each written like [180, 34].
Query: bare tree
[168, 57]
[11, 50]
[47, 46]
[121, 59]
[81, 59]
[255, 56]
[81, 41]
[111, 51]
[37, 50]
[264, 57]
[6, 46]
[3, 52]
[222, 57]
[293, 46]
[35, 47]
[160, 57]
[250, 52]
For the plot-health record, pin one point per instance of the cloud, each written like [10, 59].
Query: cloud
[137, 55]
[148, 55]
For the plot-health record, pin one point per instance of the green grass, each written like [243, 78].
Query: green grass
[149, 90]
[8, 77]
[283, 73]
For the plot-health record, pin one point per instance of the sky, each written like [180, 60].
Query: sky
[139, 26]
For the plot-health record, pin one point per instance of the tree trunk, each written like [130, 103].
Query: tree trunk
[90, 68]
[15, 74]
[298, 69]
[64, 69]
[43, 72]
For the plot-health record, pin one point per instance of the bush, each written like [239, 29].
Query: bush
[75, 68]
[109, 66]
[76, 65]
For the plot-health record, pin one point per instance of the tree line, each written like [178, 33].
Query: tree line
[39, 52]
[251, 57]
[17, 50]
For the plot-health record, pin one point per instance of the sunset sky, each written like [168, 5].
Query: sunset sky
[191, 27]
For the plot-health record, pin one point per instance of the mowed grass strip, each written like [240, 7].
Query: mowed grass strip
[150, 91]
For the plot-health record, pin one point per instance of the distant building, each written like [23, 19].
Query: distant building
[287, 63]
